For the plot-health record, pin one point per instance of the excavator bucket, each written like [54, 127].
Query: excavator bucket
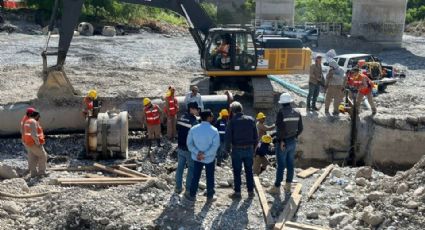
[56, 85]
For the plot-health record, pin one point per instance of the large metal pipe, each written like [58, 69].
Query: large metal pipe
[294, 88]
[64, 116]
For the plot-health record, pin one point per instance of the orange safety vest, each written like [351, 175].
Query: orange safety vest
[88, 104]
[171, 107]
[358, 83]
[27, 132]
[24, 119]
[152, 115]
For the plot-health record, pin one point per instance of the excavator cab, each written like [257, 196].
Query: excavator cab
[240, 50]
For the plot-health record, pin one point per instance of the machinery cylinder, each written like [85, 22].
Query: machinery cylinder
[107, 135]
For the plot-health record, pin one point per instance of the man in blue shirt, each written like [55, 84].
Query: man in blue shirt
[184, 124]
[241, 137]
[203, 142]
[221, 124]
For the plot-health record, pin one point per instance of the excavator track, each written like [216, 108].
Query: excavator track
[263, 93]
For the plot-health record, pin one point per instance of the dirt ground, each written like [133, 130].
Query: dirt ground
[145, 64]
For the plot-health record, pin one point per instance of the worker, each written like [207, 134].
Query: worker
[184, 124]
[203, 142]
[223, 58]
[152, 115]
[264, 148]
[315, 80]
[221, 125]
[89, 103]
[262, 128]
[289, 126]
[364, 88]
[33, 140]
[27, 115]
[171, 108]
[335, 84]
[194, 96]
[241, 137]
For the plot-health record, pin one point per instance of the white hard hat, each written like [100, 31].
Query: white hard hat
[285, 98]
[333, 64]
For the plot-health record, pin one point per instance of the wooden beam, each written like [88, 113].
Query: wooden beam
[100, 182]
[290, 208]
[89, 167]
[112, 170]
[319, 181]
[91, 175]
[308, 172]
[303, 226]
[101, 179]
[263, 201]
[136, 173]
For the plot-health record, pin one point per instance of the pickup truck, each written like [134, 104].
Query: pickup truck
[348, 61]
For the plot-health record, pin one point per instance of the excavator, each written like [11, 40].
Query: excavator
[246, 65]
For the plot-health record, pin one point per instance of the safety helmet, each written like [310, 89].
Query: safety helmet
[31, 110]
[341, 108]
[146, 101]
[260, 115]
[92, 94]
[266, 139]
[224, 113]
[285, 98]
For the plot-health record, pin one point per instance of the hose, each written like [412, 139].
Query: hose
[294, 88]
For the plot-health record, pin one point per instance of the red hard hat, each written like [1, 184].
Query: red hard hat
[31, 110]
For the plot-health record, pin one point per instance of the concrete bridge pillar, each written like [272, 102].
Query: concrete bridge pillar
[279, 10]
[379, 21]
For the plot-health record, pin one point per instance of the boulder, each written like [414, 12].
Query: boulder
[373, 196]
[336, 172]
[412, 205]
[371, 217]
[419, 191]
[365, 172]
[109, 31]
[85, 29]
[402, 188]
[336, 219]
[312, 214]
[361, 181]
[11, 207]
[7, 172]
[350, 202]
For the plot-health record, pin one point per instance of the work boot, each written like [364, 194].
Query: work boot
[274, 190]
[189, 197]
[211, 199]
[178, 191]
[158, 142]
[235, 196]
[251, 194]
[374, 111]
[149, 144]
[287, 187]
[327, 112]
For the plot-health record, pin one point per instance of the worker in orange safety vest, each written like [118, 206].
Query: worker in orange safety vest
[152, 118]
[171, 108]
[364, 87]
[33, 140]
[88, 103]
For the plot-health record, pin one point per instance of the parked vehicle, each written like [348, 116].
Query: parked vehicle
[308, 35]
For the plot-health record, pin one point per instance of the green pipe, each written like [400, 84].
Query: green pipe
[294, 88]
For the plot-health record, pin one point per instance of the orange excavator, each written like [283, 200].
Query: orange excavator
[244, 62]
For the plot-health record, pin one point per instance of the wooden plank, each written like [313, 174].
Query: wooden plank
[112, 170]
[101, 179]
[100, 182]
[290, 208]
[319, 181]
[263, 201]
[89, 167]
[303, 226]
[136, 173]
[91, 175]
[308, 172]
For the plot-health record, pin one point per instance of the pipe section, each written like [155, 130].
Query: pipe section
[294, 88]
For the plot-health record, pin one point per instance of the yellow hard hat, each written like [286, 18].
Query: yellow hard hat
[168, 93]
[92, 94]
[341, 108]
[146, 101]
[266, 139]
[260, 115]
[224, 113]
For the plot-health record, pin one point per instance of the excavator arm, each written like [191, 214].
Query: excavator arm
[199, 22]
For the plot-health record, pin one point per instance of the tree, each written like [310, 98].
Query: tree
[323, 11]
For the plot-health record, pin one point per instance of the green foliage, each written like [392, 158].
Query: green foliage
[415, 14]
[323, 11]
[211, 10]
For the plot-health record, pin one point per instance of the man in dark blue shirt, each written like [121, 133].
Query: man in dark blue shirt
[241, 137]
[221, 125]
[184, 124]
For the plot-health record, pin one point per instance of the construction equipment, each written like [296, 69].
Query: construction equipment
[248, 60]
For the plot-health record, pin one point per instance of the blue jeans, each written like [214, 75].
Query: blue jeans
[221, 152]
[197, 171]
[313, 93]
[285, 159]
[243, 156]
[184, 157]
